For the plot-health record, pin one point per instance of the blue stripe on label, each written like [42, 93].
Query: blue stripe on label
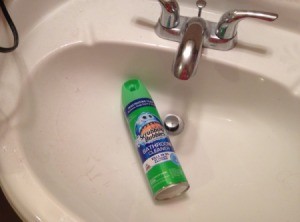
[138, 103]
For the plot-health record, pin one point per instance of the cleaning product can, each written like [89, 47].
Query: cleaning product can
[160, 163]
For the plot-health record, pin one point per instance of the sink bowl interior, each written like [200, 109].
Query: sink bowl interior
[239, 150]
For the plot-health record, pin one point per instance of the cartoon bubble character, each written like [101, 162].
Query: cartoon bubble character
[145, 123]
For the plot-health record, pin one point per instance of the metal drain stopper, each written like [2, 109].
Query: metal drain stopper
[173, 124]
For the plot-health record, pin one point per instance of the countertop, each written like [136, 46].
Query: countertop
[6, 211]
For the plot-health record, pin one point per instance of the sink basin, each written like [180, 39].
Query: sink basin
[66, 153]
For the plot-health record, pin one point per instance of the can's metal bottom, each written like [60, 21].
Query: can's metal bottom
[172, 191]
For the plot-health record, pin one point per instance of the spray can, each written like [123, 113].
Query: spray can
[160, 163]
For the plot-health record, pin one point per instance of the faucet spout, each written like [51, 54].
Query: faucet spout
[190, 49]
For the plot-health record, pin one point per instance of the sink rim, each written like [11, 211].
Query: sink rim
[10, 182]
[27, 172]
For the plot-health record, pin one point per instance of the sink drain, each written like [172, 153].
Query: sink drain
[173, 124]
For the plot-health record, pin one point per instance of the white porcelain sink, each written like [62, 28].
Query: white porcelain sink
[66, 154]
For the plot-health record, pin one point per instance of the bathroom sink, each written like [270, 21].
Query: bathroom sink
[66, 153]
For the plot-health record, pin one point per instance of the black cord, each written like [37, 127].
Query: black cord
[12, 27]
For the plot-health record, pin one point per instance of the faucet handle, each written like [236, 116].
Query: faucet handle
[227, 26]
[170, 13]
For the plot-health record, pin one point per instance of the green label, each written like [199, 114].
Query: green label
[160, 162]
[164, 175]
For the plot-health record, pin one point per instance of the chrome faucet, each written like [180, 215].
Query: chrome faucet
[193, 33]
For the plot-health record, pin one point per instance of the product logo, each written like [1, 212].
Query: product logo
[152, 141]
[148, 128]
